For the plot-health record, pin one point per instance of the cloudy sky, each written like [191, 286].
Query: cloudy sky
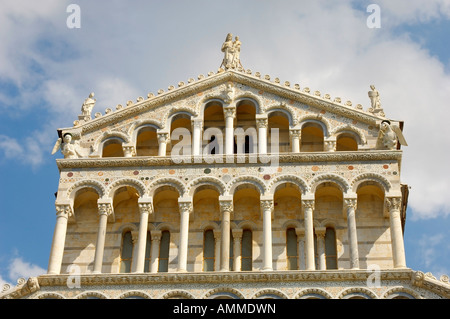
[125, 49]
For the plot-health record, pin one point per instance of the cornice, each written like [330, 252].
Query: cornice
[220, 277]
[147, 161]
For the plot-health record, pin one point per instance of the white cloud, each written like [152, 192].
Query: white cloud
[19, 268]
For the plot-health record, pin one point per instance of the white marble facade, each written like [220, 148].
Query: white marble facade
[316, 185]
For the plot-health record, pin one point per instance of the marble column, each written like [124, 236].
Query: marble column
[197, 125]
[295, 139]
[229, 113]
[320, 233]
[267, 207]
[63, 212]
[237, 244]
[226, 208]
[350, 205]
[104, 210]
[185, 211]
[217, 255]
[154, 250]
[301, 247]
[262, 124]
[393, 204]
[145, 209]
[308, 208]
[162, 140]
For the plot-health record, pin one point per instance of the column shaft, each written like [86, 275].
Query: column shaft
[352, 234]
[398, 248]
[104, 211]
[145, 209]
[225, 207]
[266, 206]
[185, 208]
[59, 238]
[154, 252]
[309, 234]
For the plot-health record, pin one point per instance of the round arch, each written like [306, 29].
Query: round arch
[279, 180]
[134, 293]
[134, 183]
[91, 295]
[215, 183]
[223, 293]
[177, 294]
[167, 181]
[269, 294]
[316, 119]
[334, 178]
[357, 292]
[246, 179]
[93, 184]
[313, 293]
[371, 177]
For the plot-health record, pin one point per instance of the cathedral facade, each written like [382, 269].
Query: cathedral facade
[231, 185]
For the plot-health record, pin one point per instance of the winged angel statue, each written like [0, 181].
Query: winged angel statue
[389, 135]
[68, 147]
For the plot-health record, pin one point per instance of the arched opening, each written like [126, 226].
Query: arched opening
[291, 249]
[330, 248]
[209, 259]
[287, 201]
[164, 250]
[278, 132]
[245, 131]
[126, 253]
[370, 200]
[247, 250]
[346, 142]
[213, 128]
[147, 142]
[181, 124]
[112, 148]
[311, 138]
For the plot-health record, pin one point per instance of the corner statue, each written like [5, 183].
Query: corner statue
[68, 148]
[388, 136]
[232, 52]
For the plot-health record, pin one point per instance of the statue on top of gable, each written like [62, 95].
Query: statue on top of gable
[374, 96]
[232, 50]
[88, 105]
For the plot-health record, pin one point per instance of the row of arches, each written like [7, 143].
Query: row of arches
[262, 186]
[399, 292]
[206, 217]
[278, 127]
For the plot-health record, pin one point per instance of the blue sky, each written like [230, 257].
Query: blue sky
[126, 49]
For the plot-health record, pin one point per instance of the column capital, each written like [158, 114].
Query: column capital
[237, 233]
[217, 234]
[64, 211]
[226, 205]
[320, 232]
[308, 203]
[197, 123]
[350, 203]
[393, 203]
[229, 111]
[163, 137]
[155, 235]
[300, 232]
[295, 132]
[262, 122]
[145, 207]
[266, 203]
[185, 206]
[129, 150]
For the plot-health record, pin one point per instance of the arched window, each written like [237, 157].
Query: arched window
[311, 138]
[147, 253]
[291, 249]
[330, 248]
[126, 253]
[208, 250]
[246, 253]
[164, 251]
[147, 142]
[112, 148]
[346, 142]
